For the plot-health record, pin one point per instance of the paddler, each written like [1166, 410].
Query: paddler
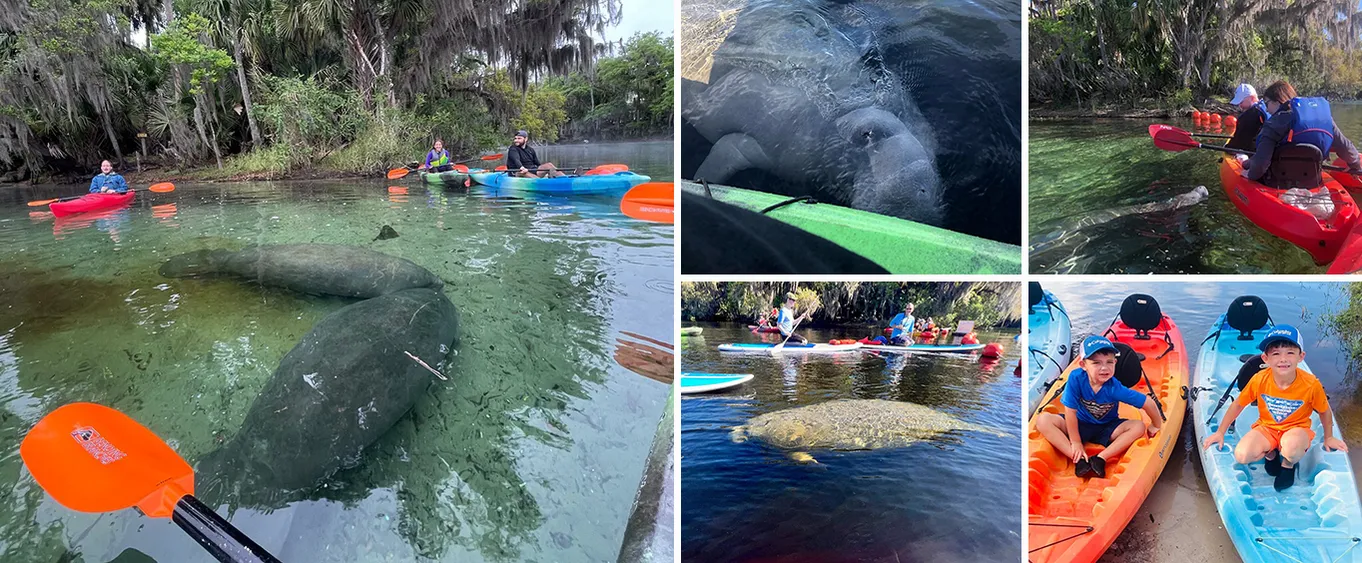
[437, 160]
[522, 160]
[786, 321]
[1297, 120]
[108, 181]
[900, 328]
[1251, 119]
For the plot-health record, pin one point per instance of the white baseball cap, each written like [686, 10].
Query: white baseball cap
[1243, 92]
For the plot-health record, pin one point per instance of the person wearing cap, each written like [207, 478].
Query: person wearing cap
[1286, 396]
[1250, 120]
[522, 161]
[900, 329]
[786, 321]
[1297, 120]
[1092, 399]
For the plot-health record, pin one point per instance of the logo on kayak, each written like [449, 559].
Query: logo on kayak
[1281, 408]
[1241, 195]
[95, 445]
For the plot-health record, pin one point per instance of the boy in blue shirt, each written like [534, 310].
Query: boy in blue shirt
[1092, 399]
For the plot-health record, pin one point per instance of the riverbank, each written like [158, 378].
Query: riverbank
[1123, 111]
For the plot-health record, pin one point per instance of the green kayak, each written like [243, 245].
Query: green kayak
[449, 178]
[898, 245]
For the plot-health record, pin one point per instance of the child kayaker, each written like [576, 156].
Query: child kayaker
[437, 160]
[1092, 399]
[1286, 396]
[900, 328]
[786, 320]
[108, 181]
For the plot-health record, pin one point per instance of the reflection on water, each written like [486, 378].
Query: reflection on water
[1179, 521]
[1078, 168]
[955, 499]
[536, 425]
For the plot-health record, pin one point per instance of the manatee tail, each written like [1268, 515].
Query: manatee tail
[197, 263]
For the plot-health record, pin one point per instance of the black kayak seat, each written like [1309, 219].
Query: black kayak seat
[1037, 295]
[1128, 367]
[1246, 314]
[1295, 165]
[1141, 312]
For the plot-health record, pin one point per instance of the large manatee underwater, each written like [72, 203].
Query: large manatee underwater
[347, 381]
[905, 109]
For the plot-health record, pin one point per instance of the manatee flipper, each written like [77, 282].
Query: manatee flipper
[802, 457]
[733, 153]
[738, 435]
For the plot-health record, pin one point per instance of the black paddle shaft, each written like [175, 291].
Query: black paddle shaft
[226, 543]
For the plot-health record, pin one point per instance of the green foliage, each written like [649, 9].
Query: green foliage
[630, 95]
[986, 303]
[180, 45]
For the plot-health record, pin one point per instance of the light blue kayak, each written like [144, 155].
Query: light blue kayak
[939, 348]
[790, 348]
[1048, 339]
[1319, 519]
[618, 182]
[706, 382]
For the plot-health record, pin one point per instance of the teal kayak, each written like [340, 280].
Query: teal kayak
[448, 178]
[706, 382]
[565, 185]
[897, 245]
[1047, 341]
[1317, 519]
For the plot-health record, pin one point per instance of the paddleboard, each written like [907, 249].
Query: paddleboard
[791, 348]
[953, 348]
[707, 382]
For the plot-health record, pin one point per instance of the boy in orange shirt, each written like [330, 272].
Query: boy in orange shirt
[1286, 396]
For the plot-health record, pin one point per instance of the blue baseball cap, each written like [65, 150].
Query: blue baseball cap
[1280, 333]
[1094, 344]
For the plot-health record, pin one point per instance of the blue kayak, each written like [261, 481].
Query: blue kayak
[618, 182]
[706, 382]
[1319, 519]
[1048, 338]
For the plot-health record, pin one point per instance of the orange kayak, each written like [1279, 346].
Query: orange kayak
[1074, 520]
[1322, 238]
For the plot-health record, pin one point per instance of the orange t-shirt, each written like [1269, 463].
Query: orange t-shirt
[1283, 409]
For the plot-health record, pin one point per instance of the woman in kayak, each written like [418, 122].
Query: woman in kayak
[901, 328]
[786, 321]
[1251, 119]
[108, 181]
[437, 160]
[1297, 120]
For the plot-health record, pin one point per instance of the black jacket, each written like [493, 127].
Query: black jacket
[1246, 130]
[517, 157]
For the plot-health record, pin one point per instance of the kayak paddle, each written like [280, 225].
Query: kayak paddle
[650, 201]
[91, 458]
[401, 172]
[1212, 136]
[163, 187]
[777, 347]
[1172, 139]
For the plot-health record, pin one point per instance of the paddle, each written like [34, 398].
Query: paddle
[163, 187]
[787, 338]
[650, 201]
[1172, 139]
[401, 172]
[92, 458]
[1212, 136]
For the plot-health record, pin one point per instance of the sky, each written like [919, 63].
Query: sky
[643, 16]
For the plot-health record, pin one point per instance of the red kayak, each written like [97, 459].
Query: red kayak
[1322, 238]
[91, 202]
[755, 328]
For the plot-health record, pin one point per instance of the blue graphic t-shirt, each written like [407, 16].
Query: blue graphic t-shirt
[1102, 406]
[899, 325]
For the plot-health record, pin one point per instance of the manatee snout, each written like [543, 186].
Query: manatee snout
[901, 178]
[195, 263]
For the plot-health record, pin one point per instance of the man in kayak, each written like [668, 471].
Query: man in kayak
[786, 321]
[522, 160]
[1251, 119]
[1297, 120]
[437, 160]
[1092, 399]
[108, 181]
[901, 328]
[1286, 396]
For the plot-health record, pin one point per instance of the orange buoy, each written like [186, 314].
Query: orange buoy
[992, 350]
[1215, 118]
[1231, 121]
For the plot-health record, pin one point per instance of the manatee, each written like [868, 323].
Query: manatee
[324, 269]
[1074, 227]
[852, 424]
[799, 90]
[341, 387]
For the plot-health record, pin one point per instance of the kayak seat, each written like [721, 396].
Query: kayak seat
[1247, 313]
[1141, 312]
[1246, 372]
[1037, 295]
[1294, 166]
[1129, 370]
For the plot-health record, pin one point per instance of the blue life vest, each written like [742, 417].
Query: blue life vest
[1262, 106]
[1314, 124]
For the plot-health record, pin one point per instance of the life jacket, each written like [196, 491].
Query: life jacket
[1262, 106]
[1314, 124]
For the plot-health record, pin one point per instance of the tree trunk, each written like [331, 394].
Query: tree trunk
[203, 136]
[108, 130]
[245, 92]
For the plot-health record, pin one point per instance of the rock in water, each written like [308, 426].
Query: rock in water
[387, 232]
[325, 269]
[853, 424]
[340, 388]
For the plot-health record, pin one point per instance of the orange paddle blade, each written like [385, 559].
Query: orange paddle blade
[162, 187]
[651, 201]
[501, 168]
[606, 169]
[492, 156]
[398, 173]
[41, 202]
[92, 458]
[1171, 138]
[461, 168]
